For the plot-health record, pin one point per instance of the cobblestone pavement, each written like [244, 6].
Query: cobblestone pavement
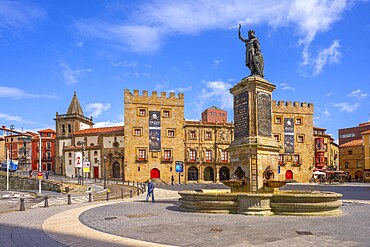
[134, 222]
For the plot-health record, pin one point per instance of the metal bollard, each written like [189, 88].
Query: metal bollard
[69, 199]
[131, 194]
[90, 197]
[22, 208]
[138, 191]
[107, 195]
[122, 194]
[46, 203]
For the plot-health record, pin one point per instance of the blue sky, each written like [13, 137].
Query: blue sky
[314, 51]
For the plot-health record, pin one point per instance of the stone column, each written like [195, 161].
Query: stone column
[253, 148]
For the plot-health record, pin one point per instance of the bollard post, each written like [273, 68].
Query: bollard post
[107, 195]
[46, 203]
[122, 194]
[138, 192]
[69, 200]
[131, 194]
[22, 208]
[90, 197]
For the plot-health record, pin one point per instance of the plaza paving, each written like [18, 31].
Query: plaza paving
[134, 222]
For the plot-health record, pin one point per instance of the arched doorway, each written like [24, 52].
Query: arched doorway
[358, 175]
[116, 170]
[192, 174]
[155, 173]
[224, 173]
[208, 174]
[288, 175]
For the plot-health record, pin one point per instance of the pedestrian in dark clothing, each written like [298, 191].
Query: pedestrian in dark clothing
[172, 179]
[47, 174]
[150, 190]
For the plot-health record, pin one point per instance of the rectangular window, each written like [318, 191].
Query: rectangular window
[224, 156]
[167, 155]
[347, 135]
[193, 155]
[141, 154]
[277, 137]
[63, 129]
[298, 121]
[278, 120]
[192, 134]
[281, 159]
[48, 145]
[300, 138]
[208, 135]
[69, 128]
[320, 159]
[346, 165]
[296, 159]
[171, 133]
[142, 112]
[208, 155]
[166, 113]
[349, 152]
[138, 132]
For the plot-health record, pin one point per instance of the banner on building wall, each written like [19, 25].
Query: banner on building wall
[319, 144]
[78, 159]
[289, 135]
[154, 131]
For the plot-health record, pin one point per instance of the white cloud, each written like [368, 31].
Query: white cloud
[10, 118]
[153, 21]
[16, 93]
[181, 89]
[126, 64]
[347, 107]
[216, 63]
[18, 15]
[357, 94]
[107, 124]
[329, 94]
[285, 86]
[326, 56]
[217, 91]
[96, 109]
[72, 76]
[326, 115]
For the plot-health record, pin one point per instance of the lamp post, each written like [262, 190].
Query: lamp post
[105, 172]
[11, 142]
[7, 169]
[40, 151]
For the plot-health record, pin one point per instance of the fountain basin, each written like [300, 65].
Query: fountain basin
[295, 203]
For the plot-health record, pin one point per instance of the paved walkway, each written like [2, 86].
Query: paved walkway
[134, 222]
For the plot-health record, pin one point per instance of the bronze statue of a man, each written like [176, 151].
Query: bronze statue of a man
[253, 56]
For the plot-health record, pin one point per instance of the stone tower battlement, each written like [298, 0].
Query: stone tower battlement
[153, 99]
[293, 107]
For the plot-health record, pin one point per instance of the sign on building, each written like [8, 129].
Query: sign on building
[78, 159]
[86, 166]
[154, 131]
[289, 135]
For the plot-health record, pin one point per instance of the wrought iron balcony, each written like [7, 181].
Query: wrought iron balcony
[166, 159]
[141, 158]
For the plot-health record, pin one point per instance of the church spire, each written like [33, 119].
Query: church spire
[74, 106]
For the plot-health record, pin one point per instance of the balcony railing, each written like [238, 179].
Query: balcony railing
[141, 158]
[192, 160]
[166, 159]
[209, 160]
[221, 160]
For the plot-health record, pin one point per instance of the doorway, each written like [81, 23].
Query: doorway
[155, 173]
[96, 171]
[288, 175]
[116, 170]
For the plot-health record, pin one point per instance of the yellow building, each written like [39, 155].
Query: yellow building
[366, 146]
[292, 128]
[352, 159]
[154, 135]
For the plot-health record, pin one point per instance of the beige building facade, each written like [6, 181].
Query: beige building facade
[352, 159]
[292, 128]
[154, 135]
[366, 144]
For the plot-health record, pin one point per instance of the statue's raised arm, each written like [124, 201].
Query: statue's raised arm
[253, 56]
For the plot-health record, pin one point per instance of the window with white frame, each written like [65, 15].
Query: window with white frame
[208, 155]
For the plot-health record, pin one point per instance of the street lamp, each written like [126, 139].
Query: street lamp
[83, 151]
[105, 172]
[40, 150]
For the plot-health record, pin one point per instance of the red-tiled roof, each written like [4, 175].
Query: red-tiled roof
[353, 143]
[100, 130]
[47, 130]
[365, 132]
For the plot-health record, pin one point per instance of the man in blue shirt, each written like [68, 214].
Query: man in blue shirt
[150, 190]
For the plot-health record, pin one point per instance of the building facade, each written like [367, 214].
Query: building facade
[65, 125]
[47, 150]
[326, 151]
[154, 135]
[352, 159]
[206, 151]
[214, 115]
[366, 145]
[292, 128]
[352, 133]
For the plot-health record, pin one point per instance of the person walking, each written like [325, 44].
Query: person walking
[172, 179]
[150, 190]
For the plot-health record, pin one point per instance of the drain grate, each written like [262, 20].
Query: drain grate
[133, 216]
[110, 218]
[304, 233]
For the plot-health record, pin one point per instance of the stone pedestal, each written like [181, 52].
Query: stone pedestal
[253, 148]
